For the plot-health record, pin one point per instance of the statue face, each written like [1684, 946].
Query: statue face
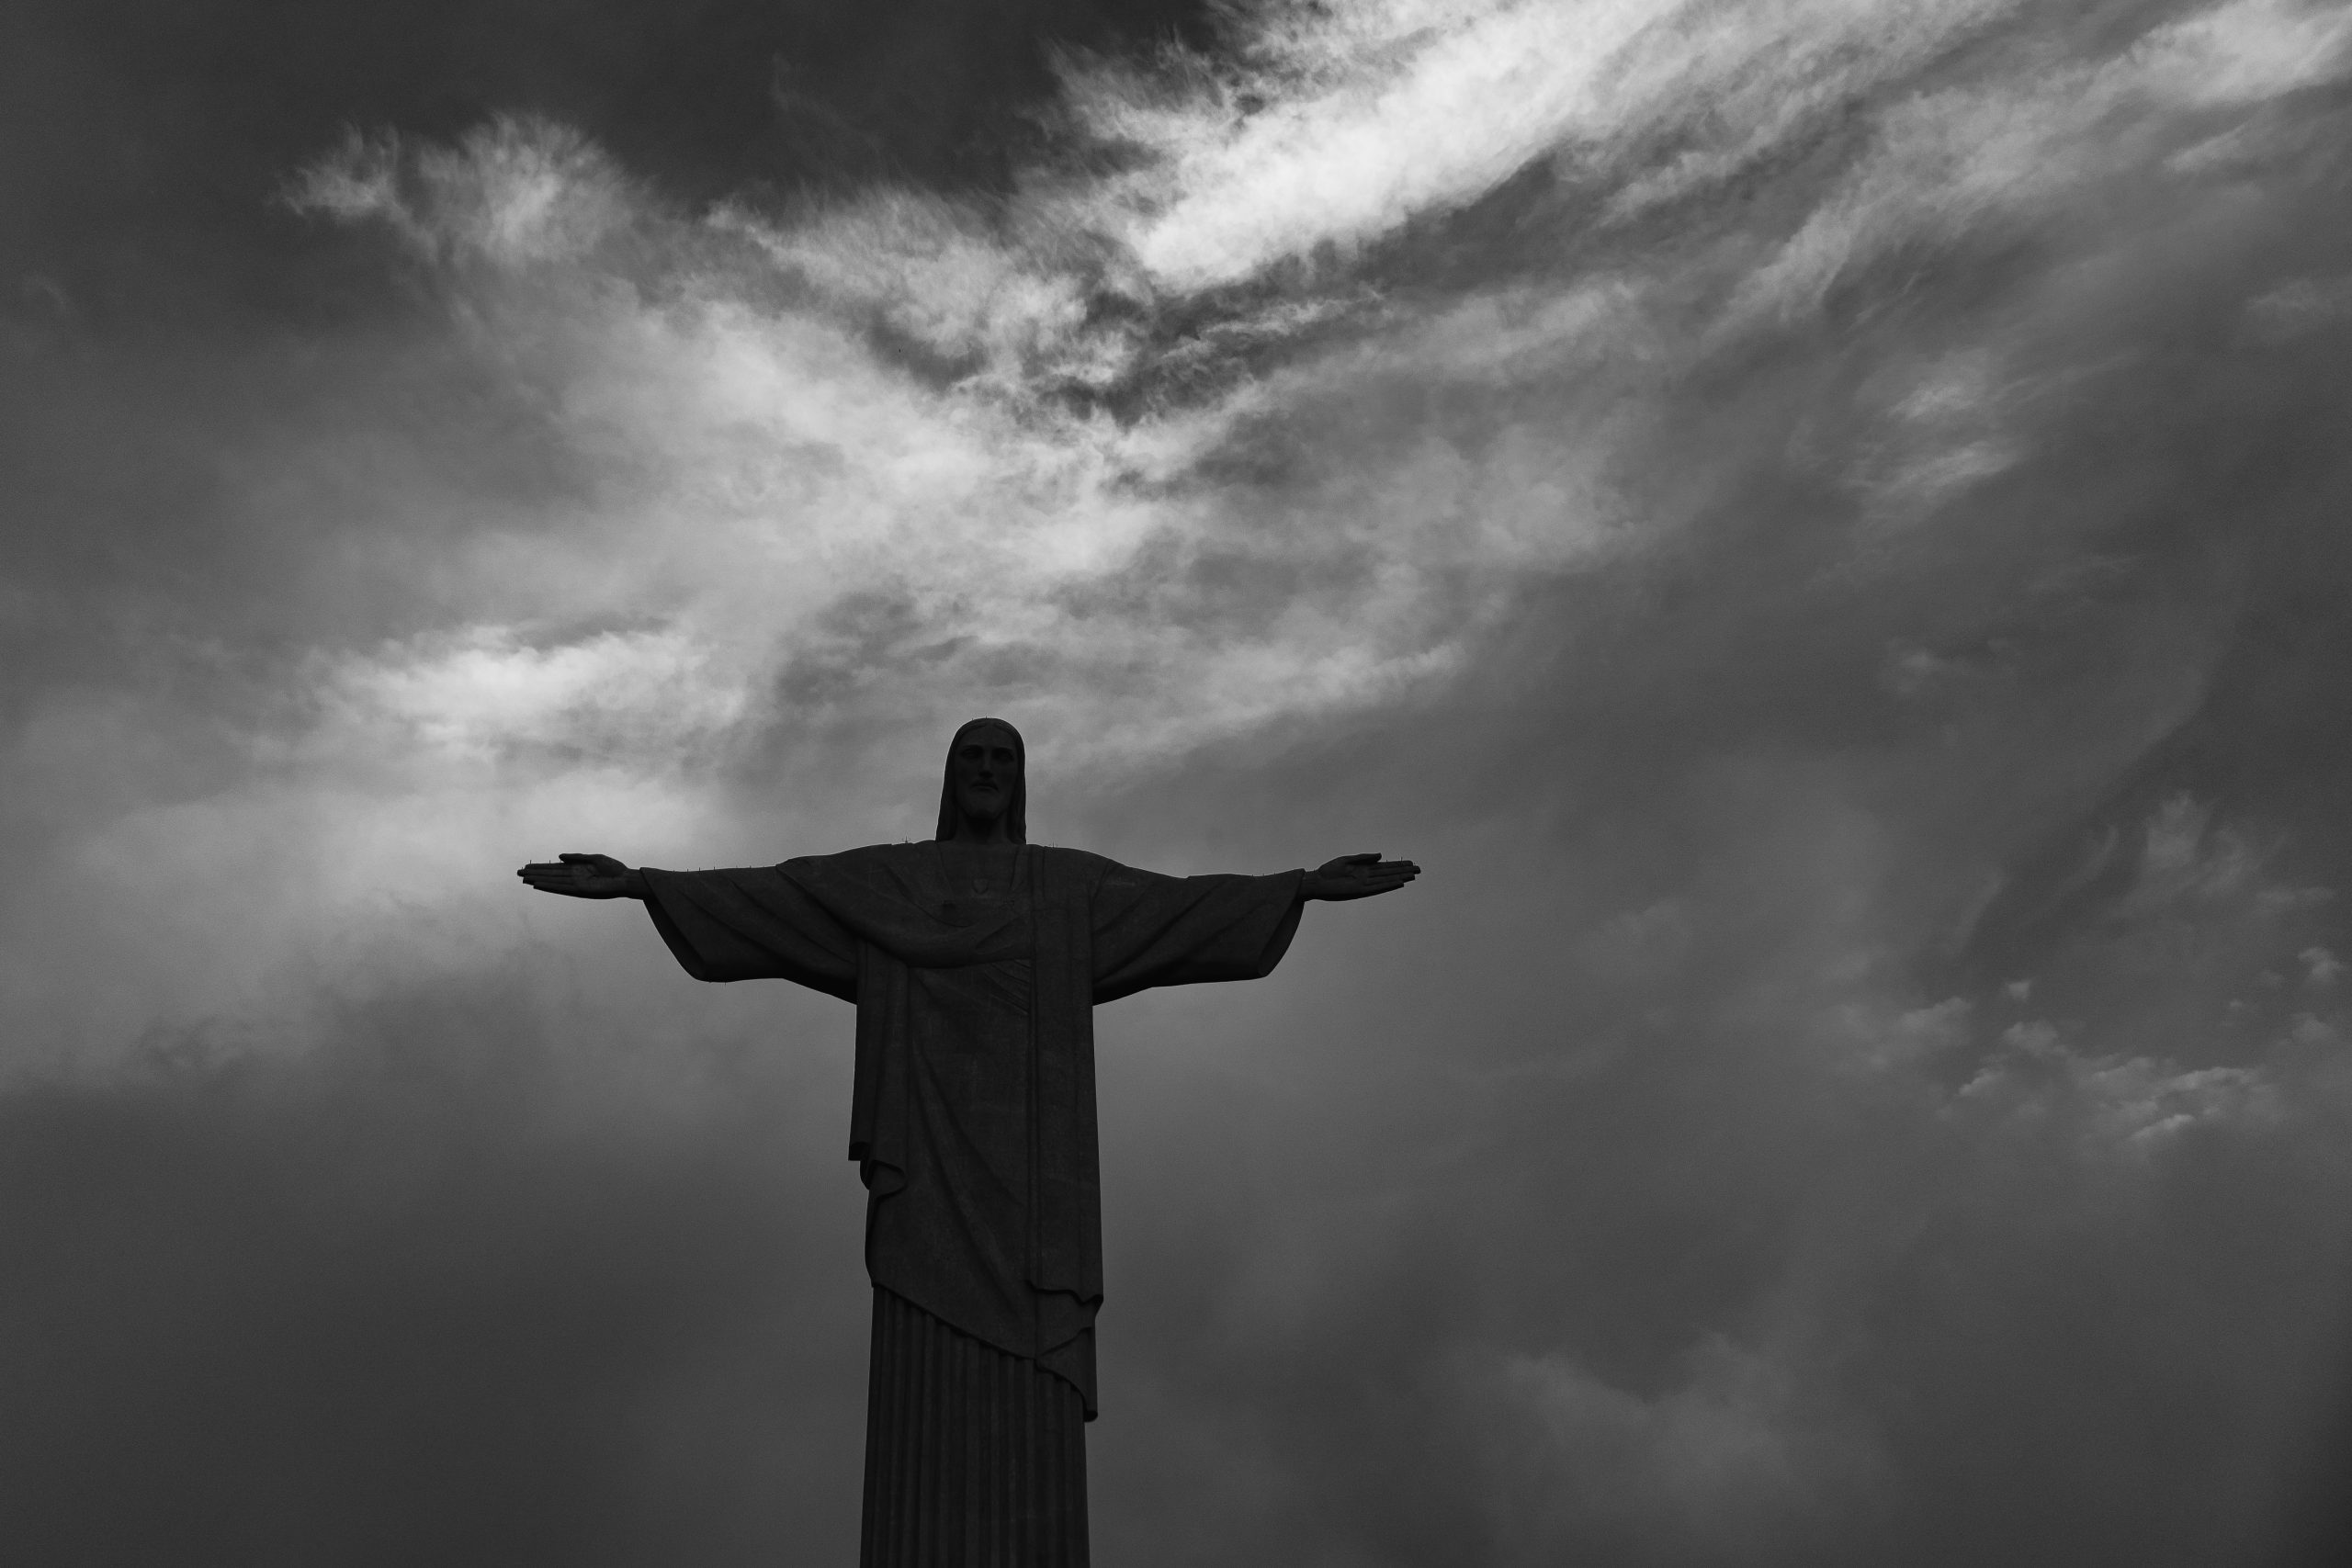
[987, 767]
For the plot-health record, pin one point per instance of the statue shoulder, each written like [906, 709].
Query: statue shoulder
[1067, 868]
[864, 860]
[1057, 855]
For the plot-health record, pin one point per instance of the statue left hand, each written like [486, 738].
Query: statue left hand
[583, 877]
[1357, 877]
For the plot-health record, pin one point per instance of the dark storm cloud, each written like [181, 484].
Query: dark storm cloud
[396, 1304]
[1815, 521]
[145, 137]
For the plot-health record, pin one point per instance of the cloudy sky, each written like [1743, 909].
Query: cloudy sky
[1819, 523]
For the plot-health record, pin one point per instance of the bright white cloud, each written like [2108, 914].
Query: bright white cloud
[1994, 151]
[871, 403]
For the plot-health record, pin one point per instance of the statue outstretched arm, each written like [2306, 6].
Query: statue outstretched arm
[750, 923]
[585, 876]
[1356, 876]
[1150, 930]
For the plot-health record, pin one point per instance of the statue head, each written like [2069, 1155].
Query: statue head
[986, 782]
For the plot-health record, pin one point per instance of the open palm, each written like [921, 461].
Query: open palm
[579, 877]
[1357, 877]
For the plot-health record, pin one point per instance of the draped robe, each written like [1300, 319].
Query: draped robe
[973, 1117]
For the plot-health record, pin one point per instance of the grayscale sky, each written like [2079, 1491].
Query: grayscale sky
[1821, 523]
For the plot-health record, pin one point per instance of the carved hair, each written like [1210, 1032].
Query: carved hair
[1016, 814]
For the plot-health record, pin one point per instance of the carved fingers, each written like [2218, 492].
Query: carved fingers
[578, 876]
[1361, 877]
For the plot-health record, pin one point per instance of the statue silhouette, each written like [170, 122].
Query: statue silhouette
[974, 960]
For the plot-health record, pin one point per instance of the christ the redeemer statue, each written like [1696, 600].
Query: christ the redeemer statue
[975, 961]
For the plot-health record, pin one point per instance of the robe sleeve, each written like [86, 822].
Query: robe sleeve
[1150, 930]
[755, 923]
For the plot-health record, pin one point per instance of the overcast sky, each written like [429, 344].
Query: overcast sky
[1821, 524]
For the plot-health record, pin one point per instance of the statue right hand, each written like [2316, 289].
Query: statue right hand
[1356, 876]
[579, 877]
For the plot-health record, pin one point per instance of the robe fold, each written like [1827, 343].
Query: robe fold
[973, 1116]
[974, 1458]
